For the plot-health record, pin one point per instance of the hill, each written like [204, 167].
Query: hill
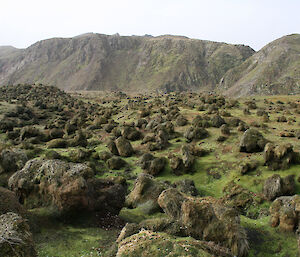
[275, 69]
[138, 63]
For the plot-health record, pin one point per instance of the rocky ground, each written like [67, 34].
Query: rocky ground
[181, 174]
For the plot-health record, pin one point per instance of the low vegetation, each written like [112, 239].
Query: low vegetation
[179, 174]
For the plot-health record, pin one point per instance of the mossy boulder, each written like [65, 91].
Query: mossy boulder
[152, 165]
[186, 186]
[170, 200]
[15, 236]
[145, 191]
[116, 163]
[285, 213]
[124, 147]
[240, 198]
[156, 244]
[111, 145]
[12, 160]
[252, 141]
[206, 219]
[195, 133]
[57, 143]
[217, 121]
[276, 186]
[280, 156]
[65, 187]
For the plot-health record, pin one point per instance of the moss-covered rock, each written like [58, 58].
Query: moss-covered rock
[15, 237]
[66, 187]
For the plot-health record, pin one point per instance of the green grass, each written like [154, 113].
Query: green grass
[266, 241]
[80, 238]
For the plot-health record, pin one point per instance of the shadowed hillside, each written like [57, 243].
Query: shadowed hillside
[101, 62]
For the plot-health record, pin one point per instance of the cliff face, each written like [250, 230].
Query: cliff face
[275, 69]
[135, 63]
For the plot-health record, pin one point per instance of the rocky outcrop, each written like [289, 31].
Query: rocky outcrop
[67, 187]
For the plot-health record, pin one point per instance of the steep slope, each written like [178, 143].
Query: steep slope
[101, 62]
[275, 69]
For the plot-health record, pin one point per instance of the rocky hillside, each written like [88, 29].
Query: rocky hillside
[275, 69]
[101, 62]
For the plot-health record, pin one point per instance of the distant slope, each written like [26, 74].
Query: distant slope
[101, 62]
[275, 69]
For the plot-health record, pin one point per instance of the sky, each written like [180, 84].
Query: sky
[249, 22]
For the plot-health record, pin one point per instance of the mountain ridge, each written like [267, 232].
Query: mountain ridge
[102, 62]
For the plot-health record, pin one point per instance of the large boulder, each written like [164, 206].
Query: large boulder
[124, 147]
[280, 157]
[15, 236]
[276, 186]
[285, 213]
[66, 187]
[252, 141]
[145, 191]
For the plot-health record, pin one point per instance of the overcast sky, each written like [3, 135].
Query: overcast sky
[249, 22]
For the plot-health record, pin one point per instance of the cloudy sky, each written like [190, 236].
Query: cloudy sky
[249, 22]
